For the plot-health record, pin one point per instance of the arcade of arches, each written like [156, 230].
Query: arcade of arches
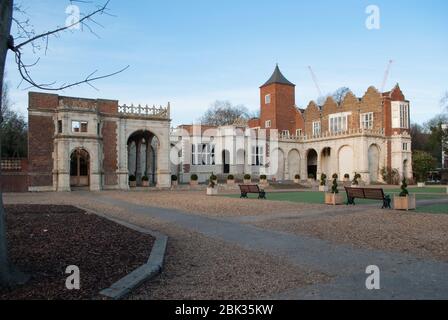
[143, 149]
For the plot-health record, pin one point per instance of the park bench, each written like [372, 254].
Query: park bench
[247, 188]
[367, 193]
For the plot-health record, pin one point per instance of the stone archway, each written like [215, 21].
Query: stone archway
[325, 162]
[311, 164]
[79, 168]
[143, 149]
[225, 157]
[293, 163]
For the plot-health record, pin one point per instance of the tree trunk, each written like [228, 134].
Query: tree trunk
[8, 275]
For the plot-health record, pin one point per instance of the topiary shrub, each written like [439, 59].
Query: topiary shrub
[230, 177]
[263, 177]
[297, 177]
[145, 178]
[323, 179]
[355, 181]
[347, 176]
[194, 177]
[132, 178]
[173, 177]
[334, 187]
[213, 177]
[247, 177]
[404, 188]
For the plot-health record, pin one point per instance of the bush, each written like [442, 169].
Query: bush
[230, 177]
[194, 177]
[297, 176]
[145, 178]
[132, 178]
[390, 176]
[346, 176]
[323, 179]
[404, 188]
[247, 177]
[334, 187]
[423, 162]
[213, 177]
[263, 177]
[355, 181]
[173, 177]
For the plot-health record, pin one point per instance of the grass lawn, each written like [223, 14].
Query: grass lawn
[441, 190]
[318, 197]
[435, 208]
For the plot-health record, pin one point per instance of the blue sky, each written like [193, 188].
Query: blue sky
[192, 53]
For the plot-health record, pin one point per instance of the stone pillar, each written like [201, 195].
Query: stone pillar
[149, 160]
[95, 169]
[138, 165]
[63, 166]
[163, 163]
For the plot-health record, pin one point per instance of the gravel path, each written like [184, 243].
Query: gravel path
[423, 235]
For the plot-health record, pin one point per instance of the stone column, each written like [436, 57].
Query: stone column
[149, 160]
[138, 165]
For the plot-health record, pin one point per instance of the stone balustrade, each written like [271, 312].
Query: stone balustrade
[145, 111]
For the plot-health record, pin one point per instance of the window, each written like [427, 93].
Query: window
[98, 128]
[257, 156]
[338, 122]
[59, 126]
[316, 128]
[268, 124]
[267, 99]
[405, 147]
[298, 132]
[79, 126]
[203, 154]
[367, 120]
[400, 115]
[285, 133]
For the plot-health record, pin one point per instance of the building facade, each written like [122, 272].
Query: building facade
[95, 144]
[358, 135]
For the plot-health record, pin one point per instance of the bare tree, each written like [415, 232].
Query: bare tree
[25, 33]
[222, 113]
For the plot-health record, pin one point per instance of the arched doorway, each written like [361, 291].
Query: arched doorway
[311, 162]
[374, 162]
[325, 162]
[293, 163]
[225, 161]
[142, 156]
[79, 168]
[345, 161]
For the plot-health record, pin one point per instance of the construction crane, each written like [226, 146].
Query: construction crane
[386, 75]
[315, 81]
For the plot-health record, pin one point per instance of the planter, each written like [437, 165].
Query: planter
[247, 181]
[405, 203]
[334, 198]
[194, 183]
[421, 184]
[174, 183]
[296, 181]
[231, 182]
[212, 191]
[264, 182]
[145, 183]
[215, 182]
[311, 180]
[323, 188]
[133, 184]
[355, 186]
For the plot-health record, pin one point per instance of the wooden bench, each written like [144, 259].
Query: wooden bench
[247, 188]
[367, 193]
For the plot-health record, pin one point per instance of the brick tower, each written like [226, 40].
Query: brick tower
[278, 103]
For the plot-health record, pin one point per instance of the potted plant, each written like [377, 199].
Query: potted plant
[145, 181]
[214, 178]
[174, 180]
[212, 189]
[334, 197]
[346, 177]
[404, 201]
[247, 179]
[263, 180]
[323, 183]
[230, 179]
[355, 182]
[297, 178]
[132, 181]
[194, 180]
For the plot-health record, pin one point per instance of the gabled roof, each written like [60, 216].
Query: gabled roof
[278, 77]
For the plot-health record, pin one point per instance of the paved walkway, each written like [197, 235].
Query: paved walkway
[402, 276]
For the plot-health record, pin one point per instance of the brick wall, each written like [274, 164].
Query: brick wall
[110, 163]
[14, 178]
